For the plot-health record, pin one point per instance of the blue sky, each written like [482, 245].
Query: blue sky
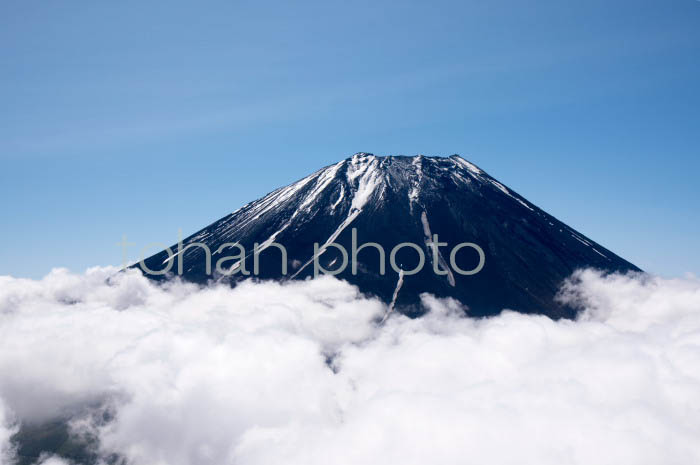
[140, 118]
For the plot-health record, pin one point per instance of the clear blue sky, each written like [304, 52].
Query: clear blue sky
[140, 118]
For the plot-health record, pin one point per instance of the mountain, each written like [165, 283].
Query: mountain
[526, 253]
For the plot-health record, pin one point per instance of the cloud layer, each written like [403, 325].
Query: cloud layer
[303, 373]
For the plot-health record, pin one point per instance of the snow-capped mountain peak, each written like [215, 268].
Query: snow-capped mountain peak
[525, 253]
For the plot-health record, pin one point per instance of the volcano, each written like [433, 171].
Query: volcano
[516, 257]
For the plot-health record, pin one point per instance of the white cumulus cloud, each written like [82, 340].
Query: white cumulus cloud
[7, 429]
[304, 373]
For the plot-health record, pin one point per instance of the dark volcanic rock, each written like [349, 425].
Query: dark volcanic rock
[390, 200]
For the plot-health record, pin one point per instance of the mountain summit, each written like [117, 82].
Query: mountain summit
[516, 255]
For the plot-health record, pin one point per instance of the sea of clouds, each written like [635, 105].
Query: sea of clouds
[305, 373]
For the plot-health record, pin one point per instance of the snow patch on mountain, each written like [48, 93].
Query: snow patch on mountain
[428, 241]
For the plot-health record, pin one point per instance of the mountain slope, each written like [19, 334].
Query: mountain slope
[527, 253]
